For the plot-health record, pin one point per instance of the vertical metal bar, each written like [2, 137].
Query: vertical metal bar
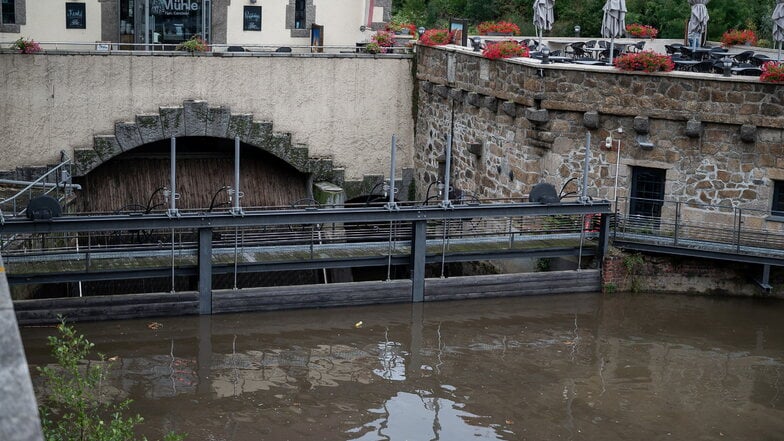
[236, 234]
[172, 261]
[584, 196]
[205, 271]
[443, 247]
[677, 220]
[392, 172]
[147, 24]
[173, 176]
[582, 238]
[740, 222]
[236, 209]
[604, 236]
[418, 249]
[447, 170]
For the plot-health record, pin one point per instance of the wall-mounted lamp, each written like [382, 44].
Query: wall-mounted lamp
[577, 31]
[608, 143]
[726, 63]
[421, 30]
[476, 42]
[545, 55]
[362, 28]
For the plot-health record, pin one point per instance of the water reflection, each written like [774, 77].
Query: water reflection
[571, 367]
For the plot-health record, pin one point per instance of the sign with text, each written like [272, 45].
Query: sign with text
[75, 16]
[251, 18]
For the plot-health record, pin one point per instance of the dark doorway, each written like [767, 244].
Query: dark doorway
[647, 195]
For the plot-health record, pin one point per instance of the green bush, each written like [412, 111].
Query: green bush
[74, 408]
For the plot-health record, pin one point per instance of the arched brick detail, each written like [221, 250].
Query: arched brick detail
[196, 118]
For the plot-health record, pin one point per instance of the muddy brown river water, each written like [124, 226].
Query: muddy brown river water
[568, 367]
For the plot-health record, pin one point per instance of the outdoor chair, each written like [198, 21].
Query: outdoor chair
[673, 48]
[744, 57]
[590, 43]
[705, 66]
[638, 47]
[759, 59]
[603, 43]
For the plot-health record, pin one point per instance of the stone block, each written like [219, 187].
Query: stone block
[218, 121]
[106, 146]
[457, 94]
[642, 125]
[149, 127]
[591, 120]
[748, 133]
[442, 91]
[474, 99]
[239, 125]
[260, 132]
[490, 103]
[693, 128]
[427, 86]
[85, 159]
[127, 135]
[537, 116]
[172, 121]
[195, 114]
[509, 108]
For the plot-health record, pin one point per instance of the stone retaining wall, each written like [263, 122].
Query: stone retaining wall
[516, 123]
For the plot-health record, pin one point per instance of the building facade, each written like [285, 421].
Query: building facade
[238, 22]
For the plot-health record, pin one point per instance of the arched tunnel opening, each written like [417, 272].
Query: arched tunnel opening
[134, 180]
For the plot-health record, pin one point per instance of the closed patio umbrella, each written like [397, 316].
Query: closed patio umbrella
[698, 21]
[543, 16]
[614, 22]
[778, 25]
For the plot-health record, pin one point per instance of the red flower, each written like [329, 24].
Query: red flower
[501, 27]
[733, 37]
[504, 49]
[646, 61]
[641, 31]
[435, 37]
[772, 72]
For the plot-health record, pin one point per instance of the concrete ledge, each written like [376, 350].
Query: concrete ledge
[19, 410]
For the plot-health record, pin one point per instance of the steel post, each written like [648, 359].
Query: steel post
[418, 249]
[205, 270]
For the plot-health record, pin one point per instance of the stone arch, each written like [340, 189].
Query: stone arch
[197, 118]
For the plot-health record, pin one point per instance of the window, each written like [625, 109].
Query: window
[778, 199]
[9, 12]
[299, 14]
[647, 194]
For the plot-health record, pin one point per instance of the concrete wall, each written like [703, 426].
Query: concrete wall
[343, 107]
[19, 420]
[721, 141]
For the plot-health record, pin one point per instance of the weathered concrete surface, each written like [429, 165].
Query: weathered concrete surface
[18, 409]
[343, 107]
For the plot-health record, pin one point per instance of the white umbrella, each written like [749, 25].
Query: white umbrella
[543, 16]
[614, 22]
[778, 25]
[698, 21]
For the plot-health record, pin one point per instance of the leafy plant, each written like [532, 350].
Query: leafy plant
[504, 49]
[26, 46]
[772, 72]
[641, 31]
[373, 48]
[436, 37]
[383, 39]
[500, 27]
[396, 26]
[195, 44]
[633, 264]
[646, 61]
[75, 407]
[733, 37]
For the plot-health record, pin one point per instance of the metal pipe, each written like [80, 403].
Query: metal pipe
[617, 169]
[43, 184]
[173, 177]
[584, 196]
[447, 170]
[392, 172]
[237, 209]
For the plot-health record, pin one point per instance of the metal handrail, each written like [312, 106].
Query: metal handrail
[38, 182]
[114, 46]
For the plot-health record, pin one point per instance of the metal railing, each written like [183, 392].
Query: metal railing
[56, 180]
[709, 227]
[239, 49]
